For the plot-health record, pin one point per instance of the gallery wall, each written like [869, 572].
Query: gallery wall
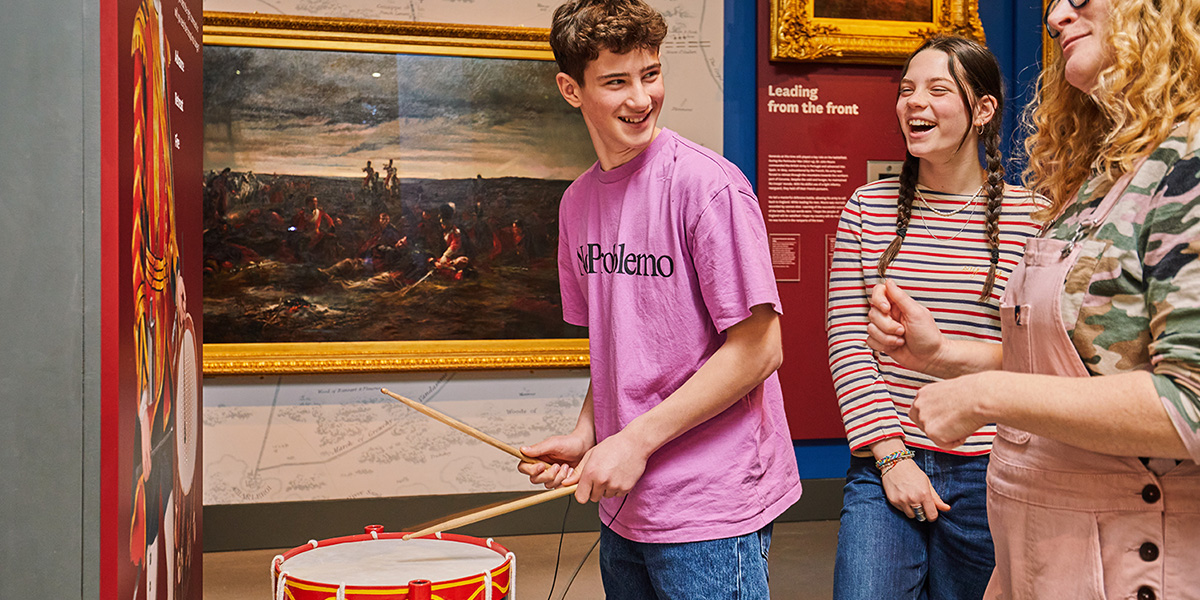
[68, 449]
[49, 293]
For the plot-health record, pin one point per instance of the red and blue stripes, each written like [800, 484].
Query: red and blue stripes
[942, 264]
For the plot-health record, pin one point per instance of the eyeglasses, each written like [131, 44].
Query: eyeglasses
[1054, 33]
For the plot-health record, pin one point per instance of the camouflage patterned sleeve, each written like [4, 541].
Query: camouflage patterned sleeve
[1170, 248]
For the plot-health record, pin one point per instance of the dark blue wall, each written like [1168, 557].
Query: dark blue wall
[1014, 34]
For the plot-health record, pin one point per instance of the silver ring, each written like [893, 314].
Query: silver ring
[919, 512]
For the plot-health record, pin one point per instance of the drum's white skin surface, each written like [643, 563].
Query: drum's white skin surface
[391, 562]
[187, 419]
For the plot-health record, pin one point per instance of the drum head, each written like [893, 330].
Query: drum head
[187, 403]
[386, 562]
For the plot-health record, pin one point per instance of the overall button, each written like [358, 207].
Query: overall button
[1151, 493]
[1148, 552]
[1146, 593]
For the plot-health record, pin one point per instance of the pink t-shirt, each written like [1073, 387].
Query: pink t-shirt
[658, 257]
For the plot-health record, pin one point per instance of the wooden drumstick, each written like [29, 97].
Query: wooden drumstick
[463, 427]
[495, 511]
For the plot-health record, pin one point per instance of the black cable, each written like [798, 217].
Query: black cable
[578, 568]
[558, 559]
[585, 556]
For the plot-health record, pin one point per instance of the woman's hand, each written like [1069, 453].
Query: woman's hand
[903, 329]
[906, 486]
[949, 411]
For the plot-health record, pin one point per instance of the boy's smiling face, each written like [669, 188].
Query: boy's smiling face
[620, 101]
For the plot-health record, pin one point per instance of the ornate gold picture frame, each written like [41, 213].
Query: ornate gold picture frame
[1049, 44]
[376, 350]
[361, 35]
[838, 30]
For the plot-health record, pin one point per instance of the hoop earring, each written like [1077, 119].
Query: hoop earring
[981, 130]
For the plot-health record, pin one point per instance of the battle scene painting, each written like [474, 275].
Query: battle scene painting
[876, 10]
[383, 197]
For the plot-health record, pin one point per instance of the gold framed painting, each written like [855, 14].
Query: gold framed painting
[382, 196]
[1049, 44]
[866, 31]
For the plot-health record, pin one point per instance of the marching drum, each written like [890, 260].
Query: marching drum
[384, 566]
[187, 415]
[183, 512]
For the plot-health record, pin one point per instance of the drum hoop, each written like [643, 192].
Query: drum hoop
[316, 586]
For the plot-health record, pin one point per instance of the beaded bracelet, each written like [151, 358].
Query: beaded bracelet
[886, 463]
[888, 468]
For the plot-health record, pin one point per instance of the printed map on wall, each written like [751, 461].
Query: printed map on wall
[309, 438]
[693, 54]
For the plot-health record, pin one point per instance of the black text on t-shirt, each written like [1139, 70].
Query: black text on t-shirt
[593, 259]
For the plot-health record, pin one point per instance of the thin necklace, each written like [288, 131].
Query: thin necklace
[970, 217]
[953, 212]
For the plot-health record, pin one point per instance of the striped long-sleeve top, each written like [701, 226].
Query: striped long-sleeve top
[942, 264]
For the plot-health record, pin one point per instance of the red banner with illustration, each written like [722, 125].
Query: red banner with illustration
[152, 500]
[823, 130]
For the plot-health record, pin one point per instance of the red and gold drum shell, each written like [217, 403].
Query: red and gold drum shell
[380, 566]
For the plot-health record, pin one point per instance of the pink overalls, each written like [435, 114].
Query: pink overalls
[1069, 523]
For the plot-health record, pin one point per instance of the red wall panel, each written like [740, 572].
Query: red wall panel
[818, 126]
[151, 100]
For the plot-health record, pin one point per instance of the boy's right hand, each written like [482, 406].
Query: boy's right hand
[561, 452]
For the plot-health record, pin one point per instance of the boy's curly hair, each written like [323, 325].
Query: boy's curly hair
[582, 28]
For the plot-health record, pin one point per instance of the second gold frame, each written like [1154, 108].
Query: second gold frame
[798, 34]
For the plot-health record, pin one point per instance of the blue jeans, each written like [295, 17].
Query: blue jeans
[883, 554]
[730, 568]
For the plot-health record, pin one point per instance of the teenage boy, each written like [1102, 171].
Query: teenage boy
[663, 256]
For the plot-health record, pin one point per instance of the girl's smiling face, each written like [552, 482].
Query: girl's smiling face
[932, 113]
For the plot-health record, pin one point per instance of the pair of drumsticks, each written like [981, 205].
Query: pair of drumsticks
[487, 513]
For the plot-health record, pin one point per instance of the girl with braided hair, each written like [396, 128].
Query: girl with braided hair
[914, 521]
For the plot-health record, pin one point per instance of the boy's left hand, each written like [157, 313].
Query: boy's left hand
[609, 469]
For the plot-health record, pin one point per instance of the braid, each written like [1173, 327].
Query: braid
[995, 195]
[908, 186]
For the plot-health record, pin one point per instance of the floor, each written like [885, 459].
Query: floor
[801, 566]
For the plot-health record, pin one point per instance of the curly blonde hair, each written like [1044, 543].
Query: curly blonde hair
[1152, 83]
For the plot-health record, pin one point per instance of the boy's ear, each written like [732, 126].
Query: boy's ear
[569, 88]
